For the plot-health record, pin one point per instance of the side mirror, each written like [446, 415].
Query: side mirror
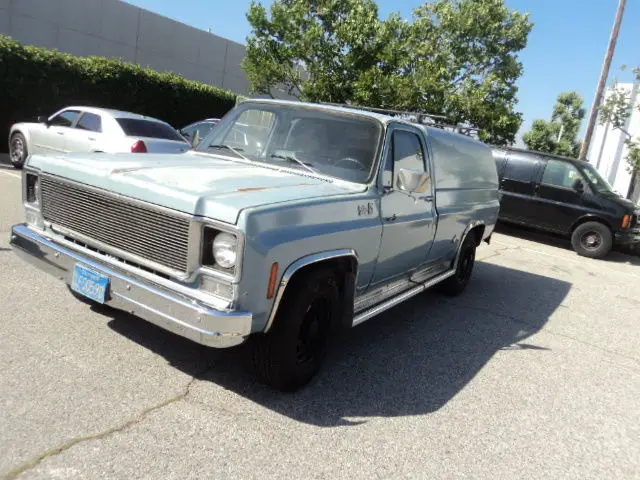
[578, 186]
[42, 119]
[413, 181]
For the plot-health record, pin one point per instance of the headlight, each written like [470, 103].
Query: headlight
[225, 250]
[33, 188]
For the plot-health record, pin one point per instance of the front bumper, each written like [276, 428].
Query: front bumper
[628, 238]
[169, 310]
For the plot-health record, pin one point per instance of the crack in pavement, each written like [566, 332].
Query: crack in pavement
[34, 462]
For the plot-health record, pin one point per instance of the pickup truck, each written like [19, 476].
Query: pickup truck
[330, 217]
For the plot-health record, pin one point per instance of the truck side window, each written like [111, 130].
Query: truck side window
[407, 151]
[560, 174]
[519, 170]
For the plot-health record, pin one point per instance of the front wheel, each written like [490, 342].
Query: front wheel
[456, 284]
[18, 150]
[288, 356]
[592, 239]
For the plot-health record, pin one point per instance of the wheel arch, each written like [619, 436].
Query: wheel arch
[343, 262]
[590, 218]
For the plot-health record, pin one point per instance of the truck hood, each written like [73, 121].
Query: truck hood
[192, 183]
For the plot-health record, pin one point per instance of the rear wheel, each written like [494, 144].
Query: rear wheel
[456, 284]
[289, 355]
[592, 239]
[18, 150]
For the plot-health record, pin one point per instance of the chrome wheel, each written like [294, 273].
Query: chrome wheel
[17, 149]
[591, 240]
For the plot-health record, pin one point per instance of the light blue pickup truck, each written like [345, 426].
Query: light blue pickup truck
[319, 218]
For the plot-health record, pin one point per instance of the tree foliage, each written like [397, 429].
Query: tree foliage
[456, 57]
[559, 135]
[617, 109]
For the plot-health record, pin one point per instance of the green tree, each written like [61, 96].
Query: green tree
[456, 57]
[559, 135]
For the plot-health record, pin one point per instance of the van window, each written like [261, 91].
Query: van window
[560, 174]
[519, 169]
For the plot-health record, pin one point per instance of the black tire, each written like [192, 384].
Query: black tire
[18, 150]
[592, 239]
[292, 352]
[456, 284]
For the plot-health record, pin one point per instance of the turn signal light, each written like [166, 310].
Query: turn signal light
[139, 147]
[273, 278]
[626, 221]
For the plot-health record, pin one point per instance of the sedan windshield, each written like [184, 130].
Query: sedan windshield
[313, 140]
[596, 180]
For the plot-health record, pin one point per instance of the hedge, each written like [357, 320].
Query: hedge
[37, 81]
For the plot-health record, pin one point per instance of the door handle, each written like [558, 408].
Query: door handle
[426, 198]
[60, 133]
[392, 218]
[91, 139]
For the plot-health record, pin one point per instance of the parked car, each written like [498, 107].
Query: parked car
[88, 129]
[341, 214]
[195, 132]
[565, 196]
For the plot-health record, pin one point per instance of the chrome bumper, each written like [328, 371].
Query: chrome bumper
[169, 310]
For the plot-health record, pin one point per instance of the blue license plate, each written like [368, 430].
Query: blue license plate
[89, 283]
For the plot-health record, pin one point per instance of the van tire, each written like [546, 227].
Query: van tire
[292, 352]
[457, 283]
[592, 239]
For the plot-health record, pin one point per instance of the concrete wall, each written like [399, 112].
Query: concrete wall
[608, 151]
[112, 28]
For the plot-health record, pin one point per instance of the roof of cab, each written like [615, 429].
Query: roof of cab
[354, 110]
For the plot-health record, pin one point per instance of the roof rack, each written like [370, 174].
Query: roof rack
[416, 117]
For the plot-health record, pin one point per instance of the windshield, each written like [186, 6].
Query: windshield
[599, 183]
[336, 144]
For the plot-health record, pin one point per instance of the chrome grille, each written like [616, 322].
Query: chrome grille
[145, 232]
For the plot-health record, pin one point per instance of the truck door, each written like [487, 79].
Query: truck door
[559, 197]
[517, 188]
[408, 219]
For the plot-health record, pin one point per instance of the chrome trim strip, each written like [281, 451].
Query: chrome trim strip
[297, 265]
[378, 309]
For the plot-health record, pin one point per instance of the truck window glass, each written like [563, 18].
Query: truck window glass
[407, 151]
[560, 174]
[519, 169]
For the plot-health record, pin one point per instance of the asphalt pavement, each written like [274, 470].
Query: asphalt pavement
[534, 372]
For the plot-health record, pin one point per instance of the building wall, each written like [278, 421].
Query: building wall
[608, 151]
[112, 28]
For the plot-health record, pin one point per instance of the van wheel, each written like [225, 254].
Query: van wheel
[18, 150]
[592, 239]
[456, 284]
[292, 352]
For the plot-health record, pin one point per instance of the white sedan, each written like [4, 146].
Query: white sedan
[88, 129]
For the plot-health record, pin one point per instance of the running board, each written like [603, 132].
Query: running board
[392, 302]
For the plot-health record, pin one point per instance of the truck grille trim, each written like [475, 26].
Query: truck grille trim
[147, 232]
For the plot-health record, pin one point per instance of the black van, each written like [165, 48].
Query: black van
[566, 196]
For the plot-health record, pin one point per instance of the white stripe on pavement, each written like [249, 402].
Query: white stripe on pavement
[10, 174]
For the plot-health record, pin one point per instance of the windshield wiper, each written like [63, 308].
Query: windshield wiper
[291, 158]
[228, 147]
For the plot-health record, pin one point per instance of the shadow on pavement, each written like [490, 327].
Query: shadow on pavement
[409, 361]
[619, 255]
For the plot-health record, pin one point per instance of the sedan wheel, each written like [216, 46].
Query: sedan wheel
[18, 150]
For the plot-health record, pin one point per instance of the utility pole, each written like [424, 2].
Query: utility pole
[603, 80]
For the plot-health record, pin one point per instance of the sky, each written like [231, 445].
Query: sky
[565, 50]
